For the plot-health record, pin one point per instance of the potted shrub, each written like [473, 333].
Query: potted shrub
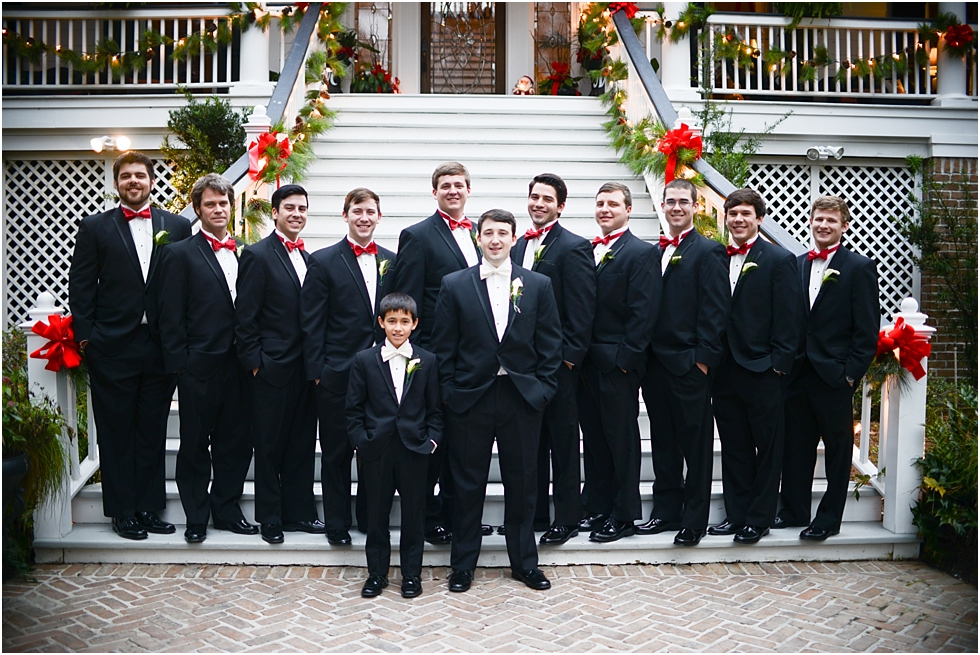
[375, 80]
[560, 82]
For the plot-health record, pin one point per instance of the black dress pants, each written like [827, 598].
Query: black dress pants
[336, 453]
[558, 453]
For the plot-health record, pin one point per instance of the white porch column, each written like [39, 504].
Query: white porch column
[406, 45]
[253, 64]
[519, 43]
[903, 436]
[951, 71]
[675, 64]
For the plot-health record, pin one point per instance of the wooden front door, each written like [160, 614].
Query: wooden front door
[463, 47]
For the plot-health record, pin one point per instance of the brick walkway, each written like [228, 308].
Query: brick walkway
[850, 606]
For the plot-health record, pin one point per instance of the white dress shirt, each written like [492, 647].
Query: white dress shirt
[397, 359]
[296, 257]
[534, 244]
[228, 261]
[601, 249]
[818, 269]
[142, 231]
[498, 288]
[736, 262]
[670, 250]
[464, 239]
[369, 271]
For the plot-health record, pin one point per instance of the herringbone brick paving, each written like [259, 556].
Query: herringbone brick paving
[816, 607]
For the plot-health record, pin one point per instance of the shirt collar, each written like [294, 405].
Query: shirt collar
[408, 344]
[749, 243]
[615, 234]
[208, 234]
[284, 237]
[446, 217]
[145, 206]
[504, 266]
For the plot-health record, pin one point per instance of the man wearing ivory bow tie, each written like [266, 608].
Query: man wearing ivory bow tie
[497, 337]
[340, 299]
[270, 345]
[113, 290]
[428, 251]
[840, 337]
[197, 328]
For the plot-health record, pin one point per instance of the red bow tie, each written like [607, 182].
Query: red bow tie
[293, 245]
[606, 240]
[218, 245]
[666, 241]
[371, 248]
[821, 254]
[129, 214]
[534, 234]
[740, 250]
[463, 222]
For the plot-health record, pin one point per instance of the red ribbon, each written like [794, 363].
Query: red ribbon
[673, 141]
[629, 7]
[61, 351]
[560, 74]
[269, 147]
[958, 36]
[912, 347]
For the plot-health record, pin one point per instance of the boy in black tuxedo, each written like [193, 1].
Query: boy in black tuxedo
[566, 259]
[339, 301]
[197, 329]
[760, 344]
[498, 339]
[394, 419]
[840, 337]
[113, 291]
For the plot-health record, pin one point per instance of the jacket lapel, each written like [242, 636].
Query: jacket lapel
[386, 375]
[408, 377]
[511, 314]
[208, 253]
[517, 254]
[280, 249]
[546, 243]
[840, 258]
[443, 230]
[122, 226]
[480, 287]
[680, 250]
[347, 255]
[157, 220]
[620, 243]
[753, 256]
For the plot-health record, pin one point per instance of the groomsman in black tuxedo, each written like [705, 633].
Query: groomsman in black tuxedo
[197, 329]
[113, 290]
[428, 251]
[840, 337]
[566, 259]
[270, 345]
[628, 296]
[497, 336]
[339, 307]
[760, 345]
[686, 349]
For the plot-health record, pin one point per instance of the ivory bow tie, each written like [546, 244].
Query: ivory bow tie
[371, 248]
[821, 254]
[218, 245]
[405, 350]
[486, 270]
[293, 245]
[129, 214]
[738, 250]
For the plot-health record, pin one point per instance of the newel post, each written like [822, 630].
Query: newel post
[903, 434]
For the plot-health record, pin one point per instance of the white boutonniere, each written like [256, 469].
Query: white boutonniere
[674, 261]
[830, 276]
[383, 265]
[161, 238]
[538, 253]
[606, 258]
[516, 291]
[748, 266]
[413, 365]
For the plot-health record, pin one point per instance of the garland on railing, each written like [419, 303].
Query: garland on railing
[596, 35]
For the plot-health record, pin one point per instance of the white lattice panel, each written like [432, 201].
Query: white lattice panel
[45, 199]
[786, 189]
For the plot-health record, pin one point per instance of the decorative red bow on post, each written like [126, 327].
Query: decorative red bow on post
[271, 146]
[61, 351]
[912, 347]
[671, 144]
[629, 7]
[958, 36]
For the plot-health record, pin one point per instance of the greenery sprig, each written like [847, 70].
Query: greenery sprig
[960, 40]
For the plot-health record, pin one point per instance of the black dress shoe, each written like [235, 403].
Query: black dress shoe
[724, 529]
[688, 537]
[196, 533]
[613, 530]
[501, 530]
[533, 579]
[272, 533]
[558, 534]
[593, 522]
[487, 530]
[373, 586]
[153, 523]
[460, 581]
[656, 526]
[750, 534]
[779, 523]
[315, 526]
[411, 587]
[338, 537]
[813, 533]
[128, 528]
[438, 536]
[241, 526]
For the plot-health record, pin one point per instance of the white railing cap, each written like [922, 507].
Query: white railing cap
[910, 312]
[44, 306]
[776, 20]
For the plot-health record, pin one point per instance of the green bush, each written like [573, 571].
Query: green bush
[946, 513]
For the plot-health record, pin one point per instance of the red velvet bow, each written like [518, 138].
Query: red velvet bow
[673, 141]
[912, 347]
[267, 147]
[560, 74]
[629, 7]
[61, 351]
[958, 36]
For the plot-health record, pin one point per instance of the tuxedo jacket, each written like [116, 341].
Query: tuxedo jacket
[696, 302]
[375, 418]
[106, 290]
[465, 339]
[197, 314]
[764, 323]
[427, 252]
[628, 298]
[841, 331]
[338, 318]
[267, 311]
[568, 262]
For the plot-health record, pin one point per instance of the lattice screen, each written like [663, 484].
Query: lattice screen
[875, 194]
[45, 199]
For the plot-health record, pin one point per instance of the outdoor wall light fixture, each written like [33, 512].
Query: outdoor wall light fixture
[110, 143]
[825, 152]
